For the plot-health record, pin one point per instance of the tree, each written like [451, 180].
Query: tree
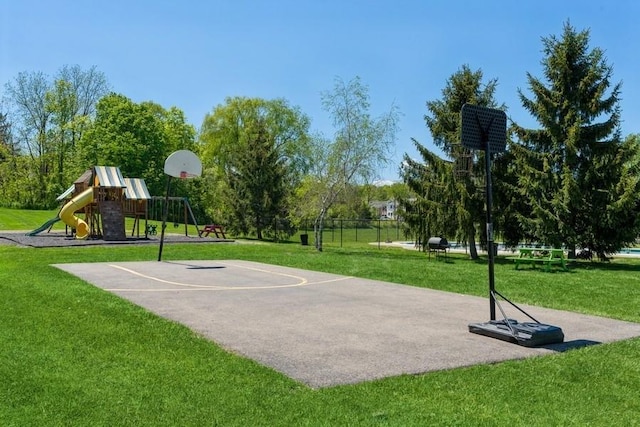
[359, 147]
[7, 147]
[257, 185]
[49, 118]
[432, 211]
[509, 205]
[7, 161]
[27, 93]
[451, 189]
[72, 103]
[578, 178]
[255, 153]
[128, 135]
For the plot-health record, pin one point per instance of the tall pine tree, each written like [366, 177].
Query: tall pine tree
[449, 191]
[578, 178]
[256, 177]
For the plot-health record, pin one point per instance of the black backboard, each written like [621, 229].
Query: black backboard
[482, 126]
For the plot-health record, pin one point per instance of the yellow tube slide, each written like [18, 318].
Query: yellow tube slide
[67, 213]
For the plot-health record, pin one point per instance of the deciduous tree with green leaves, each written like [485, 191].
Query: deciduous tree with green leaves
[72, 103]
[7, 147]
[135, 137]
[27, 96]
[358, 149]
[48, 119]
[579, 179]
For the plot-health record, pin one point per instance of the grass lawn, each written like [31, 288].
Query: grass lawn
[72, 354]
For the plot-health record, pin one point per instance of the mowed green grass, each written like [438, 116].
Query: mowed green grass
[341, 234]
[73, 354]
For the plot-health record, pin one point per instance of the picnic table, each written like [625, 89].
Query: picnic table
[212, 228]
[544, 256]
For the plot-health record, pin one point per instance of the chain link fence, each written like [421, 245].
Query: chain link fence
[342, 232]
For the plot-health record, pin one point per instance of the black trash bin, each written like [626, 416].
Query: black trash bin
[304, 239]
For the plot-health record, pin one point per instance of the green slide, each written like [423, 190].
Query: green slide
[44, 226]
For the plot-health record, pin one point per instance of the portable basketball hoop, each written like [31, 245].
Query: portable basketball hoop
[486, 129]
[182, 164]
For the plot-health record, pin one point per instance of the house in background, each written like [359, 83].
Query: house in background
[384, 209]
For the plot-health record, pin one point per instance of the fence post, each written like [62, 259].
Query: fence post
[340, 232]
[333, 230]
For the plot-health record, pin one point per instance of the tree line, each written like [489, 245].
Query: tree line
[572, 182]
[264, 172]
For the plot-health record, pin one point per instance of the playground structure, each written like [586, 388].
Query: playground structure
[178, 212]
[105, 198]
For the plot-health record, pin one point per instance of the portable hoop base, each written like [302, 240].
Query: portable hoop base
[528, 334]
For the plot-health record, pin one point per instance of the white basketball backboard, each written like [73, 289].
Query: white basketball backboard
[183, 164]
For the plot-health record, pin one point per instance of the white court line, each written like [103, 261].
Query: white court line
[193, 287]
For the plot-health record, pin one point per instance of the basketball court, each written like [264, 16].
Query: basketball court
[324, 329]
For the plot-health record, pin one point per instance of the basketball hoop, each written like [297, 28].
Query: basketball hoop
[183, 164]
[463, 162]
[486, 129]
[180, 164]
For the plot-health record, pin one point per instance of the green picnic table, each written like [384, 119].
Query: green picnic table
[546, 257]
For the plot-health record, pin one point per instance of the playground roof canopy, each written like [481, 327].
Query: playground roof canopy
[108, 177]
[111, 177]
[136, 189]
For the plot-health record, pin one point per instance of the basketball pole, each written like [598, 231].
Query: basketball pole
[165, 213]
[490, 244]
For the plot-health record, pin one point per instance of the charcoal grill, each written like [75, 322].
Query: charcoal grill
[437, 245]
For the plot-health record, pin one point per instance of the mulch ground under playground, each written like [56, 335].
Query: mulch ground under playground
[60, 239]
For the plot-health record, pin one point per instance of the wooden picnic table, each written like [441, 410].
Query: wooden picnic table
[545, 256]
[212, 228]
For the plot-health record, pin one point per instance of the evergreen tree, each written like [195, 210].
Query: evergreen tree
[453, 189]
[256, 189]
[236, 140]
[579, 180]
[431, 213]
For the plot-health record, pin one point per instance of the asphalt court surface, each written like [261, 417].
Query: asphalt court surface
[324, 329]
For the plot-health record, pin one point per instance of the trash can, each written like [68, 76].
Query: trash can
[304, 239]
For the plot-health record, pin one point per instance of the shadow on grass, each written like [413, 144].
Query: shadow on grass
[570, 345]
[573, 265]
[529, 267]
[605, 266]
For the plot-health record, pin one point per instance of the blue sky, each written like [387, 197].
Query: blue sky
[194, 54]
